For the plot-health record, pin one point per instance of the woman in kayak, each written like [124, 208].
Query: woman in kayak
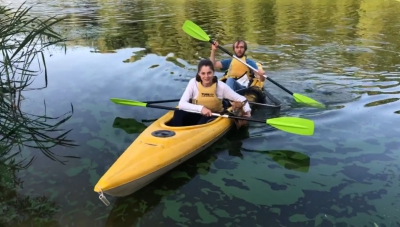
[204, 94]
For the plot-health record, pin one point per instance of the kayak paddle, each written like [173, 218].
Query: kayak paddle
[293, 125]
[177, 100]
[196, 32]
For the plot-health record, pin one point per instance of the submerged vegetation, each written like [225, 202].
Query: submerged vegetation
[23, 41]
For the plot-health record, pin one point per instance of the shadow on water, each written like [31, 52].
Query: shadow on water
[129, 125]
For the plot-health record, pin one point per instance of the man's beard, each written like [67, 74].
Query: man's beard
[239, 56]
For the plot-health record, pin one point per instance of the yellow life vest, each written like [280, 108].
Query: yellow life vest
[237, 70]
[208, 97]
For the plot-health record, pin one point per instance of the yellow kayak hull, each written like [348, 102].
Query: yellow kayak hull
[158, 149]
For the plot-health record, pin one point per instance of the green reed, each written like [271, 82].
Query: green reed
[23, 41]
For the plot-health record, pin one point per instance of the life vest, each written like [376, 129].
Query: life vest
[237, 70]
[207, 97]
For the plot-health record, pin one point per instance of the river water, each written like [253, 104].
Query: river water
[343, 53]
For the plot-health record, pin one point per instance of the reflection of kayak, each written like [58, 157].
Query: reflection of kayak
[158, 149]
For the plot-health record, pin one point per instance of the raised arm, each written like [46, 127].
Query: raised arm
[217, 64]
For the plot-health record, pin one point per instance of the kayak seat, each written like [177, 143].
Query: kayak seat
[252, 94]
[182, 118]
[255, 94]
[210, 120]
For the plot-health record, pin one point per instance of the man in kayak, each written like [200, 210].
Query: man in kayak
[238, 76]
[204, 94]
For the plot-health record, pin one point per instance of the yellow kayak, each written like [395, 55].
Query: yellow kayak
[158, 149]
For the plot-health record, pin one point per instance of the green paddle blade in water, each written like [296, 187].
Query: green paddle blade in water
[195, 31]
[294, 125]
[307, 100]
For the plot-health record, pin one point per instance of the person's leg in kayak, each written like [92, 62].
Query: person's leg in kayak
[184, 118]
[204, 120]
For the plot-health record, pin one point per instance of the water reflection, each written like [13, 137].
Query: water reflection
[151, 201]
[130, 210]
[290, 160]
[129, 125]
[330, 70]
[381, 102]
[21, 134]
[342, 53]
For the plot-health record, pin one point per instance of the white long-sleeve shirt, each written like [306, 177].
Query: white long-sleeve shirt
[223, 92]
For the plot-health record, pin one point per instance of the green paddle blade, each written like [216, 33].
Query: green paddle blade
[127, 102]
[307, 100]
[195, 31]
[293, 125]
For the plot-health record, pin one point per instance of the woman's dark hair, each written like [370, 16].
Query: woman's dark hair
[205, 62]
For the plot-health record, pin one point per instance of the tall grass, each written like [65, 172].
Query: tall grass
[23, 41]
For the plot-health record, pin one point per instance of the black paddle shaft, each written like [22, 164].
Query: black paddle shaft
[162, 101]
[233, 117]
[230, 54]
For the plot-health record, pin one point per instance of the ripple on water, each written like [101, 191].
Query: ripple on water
[328, 58]
[351, 69]
[381, 102]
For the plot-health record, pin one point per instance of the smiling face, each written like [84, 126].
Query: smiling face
[206, 75]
